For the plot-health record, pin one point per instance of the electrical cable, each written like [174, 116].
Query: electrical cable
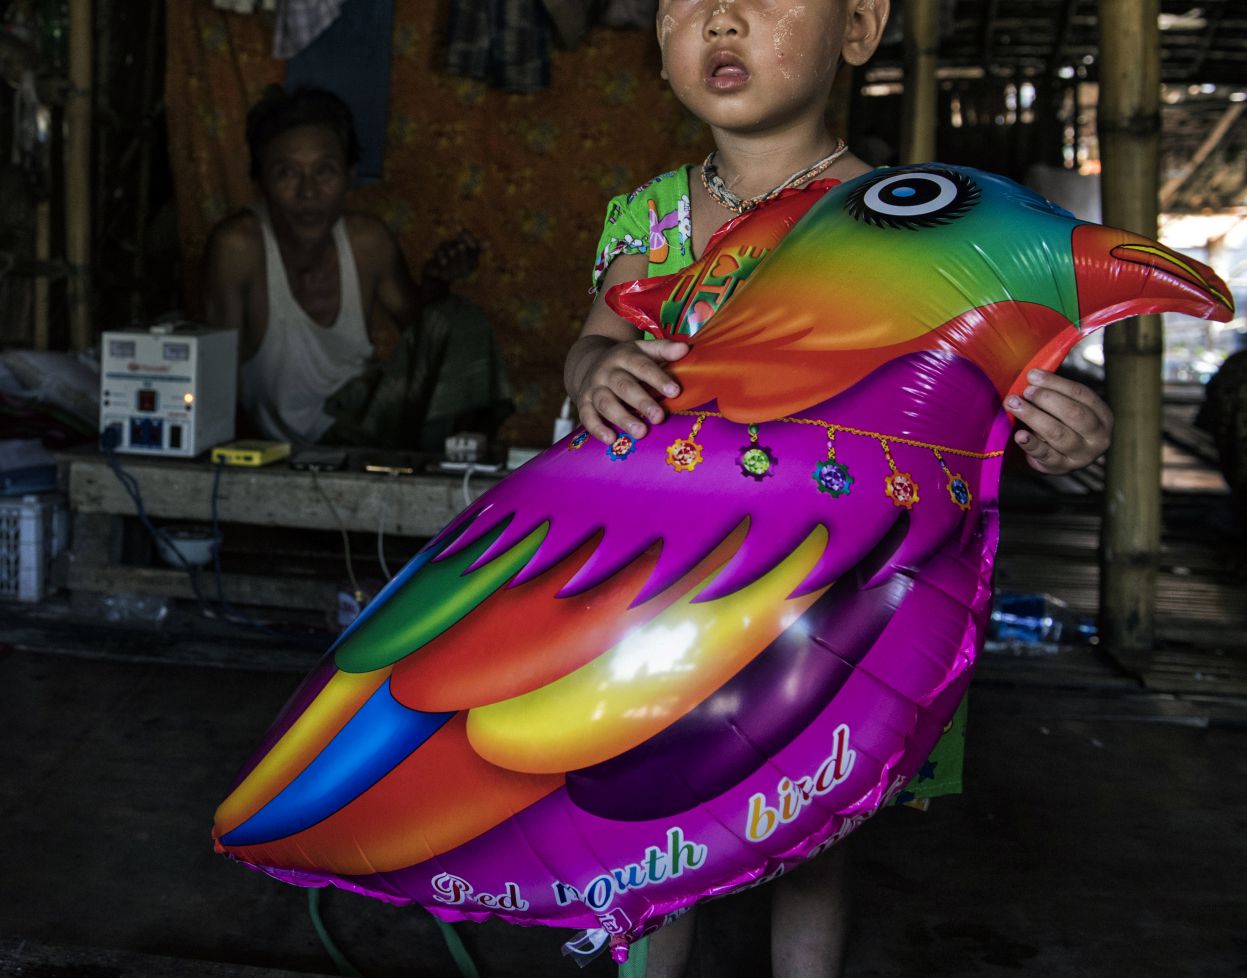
[346, 540]
[228, 613]
[216, 553]
[385, 569]
[467, 479]
[166, 546]
[163, 543]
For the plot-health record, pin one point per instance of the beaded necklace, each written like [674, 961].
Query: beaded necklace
[717, 189]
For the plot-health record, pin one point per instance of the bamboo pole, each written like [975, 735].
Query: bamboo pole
[1128, 121]
[43, 256]
[78, 175]
[918, 103]
[101, 63]
[142, 207]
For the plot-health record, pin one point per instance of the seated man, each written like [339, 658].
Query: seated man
[316, 293]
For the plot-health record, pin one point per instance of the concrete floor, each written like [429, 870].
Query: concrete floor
[1102, 832]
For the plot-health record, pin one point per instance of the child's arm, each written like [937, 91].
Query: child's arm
[1068, 425]
[611, 374]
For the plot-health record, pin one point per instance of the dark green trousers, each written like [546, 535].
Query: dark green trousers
[445, 377]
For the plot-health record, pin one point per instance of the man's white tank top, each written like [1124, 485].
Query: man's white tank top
[300, 363]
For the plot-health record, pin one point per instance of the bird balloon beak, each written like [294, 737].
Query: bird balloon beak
[1123, 274]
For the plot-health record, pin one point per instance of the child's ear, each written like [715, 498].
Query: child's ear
[864, 29]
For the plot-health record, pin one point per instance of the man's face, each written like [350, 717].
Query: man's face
[304, 178]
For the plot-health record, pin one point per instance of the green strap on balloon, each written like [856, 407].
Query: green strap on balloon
[454, 944]
[638, 958]
[339, 959]
[439, 594]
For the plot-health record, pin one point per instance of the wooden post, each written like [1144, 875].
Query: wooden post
[918, 103]
[78, 176]
[1128, 121]
[142, 208]
[43, 256]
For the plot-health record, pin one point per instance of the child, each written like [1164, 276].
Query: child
[759, 73]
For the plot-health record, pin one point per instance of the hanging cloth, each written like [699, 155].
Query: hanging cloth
[351, 58]
[503, 42]
[245, 6]
[300, 22]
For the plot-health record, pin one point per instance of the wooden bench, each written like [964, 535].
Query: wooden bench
[269, 496]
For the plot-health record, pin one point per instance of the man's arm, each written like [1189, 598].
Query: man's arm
[393, 296]
[233, 264]
[400, 297]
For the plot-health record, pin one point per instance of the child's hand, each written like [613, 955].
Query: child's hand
[617, 385]
[1069, 425]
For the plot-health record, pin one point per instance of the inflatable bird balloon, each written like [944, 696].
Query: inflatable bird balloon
[630, 677]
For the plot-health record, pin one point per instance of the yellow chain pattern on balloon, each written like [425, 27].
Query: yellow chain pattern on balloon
[831, 476]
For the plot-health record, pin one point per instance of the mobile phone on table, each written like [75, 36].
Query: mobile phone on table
[392, 463]
[317, 459]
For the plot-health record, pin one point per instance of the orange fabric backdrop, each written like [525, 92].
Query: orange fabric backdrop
[528, 174]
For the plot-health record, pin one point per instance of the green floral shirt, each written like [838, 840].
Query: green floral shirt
[653, 220]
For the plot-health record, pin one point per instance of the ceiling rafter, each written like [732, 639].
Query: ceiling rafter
[1214, 26]
[989, 32]
[1005, 37]
[1203, 66]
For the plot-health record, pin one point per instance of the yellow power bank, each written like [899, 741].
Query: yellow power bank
[250, 452]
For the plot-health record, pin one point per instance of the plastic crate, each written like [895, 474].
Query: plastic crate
[33, 531]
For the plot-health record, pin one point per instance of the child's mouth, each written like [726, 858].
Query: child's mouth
[726, 72]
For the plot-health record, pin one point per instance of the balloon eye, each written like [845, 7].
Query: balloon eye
[912, 199]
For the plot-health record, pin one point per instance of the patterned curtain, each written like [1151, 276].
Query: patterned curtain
[528, 174]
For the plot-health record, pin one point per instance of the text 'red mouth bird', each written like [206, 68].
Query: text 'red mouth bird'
[629, 677]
